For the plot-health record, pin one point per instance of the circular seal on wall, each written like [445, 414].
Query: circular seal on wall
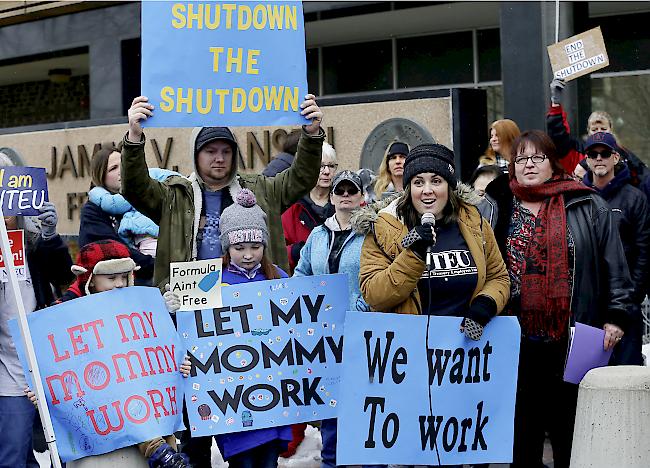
[383, 134]
[13, 156]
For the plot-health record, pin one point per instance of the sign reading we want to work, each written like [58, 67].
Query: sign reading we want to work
[223, 63]
[418, 392]
[109, 364]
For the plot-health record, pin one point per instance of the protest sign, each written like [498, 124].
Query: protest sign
[22, 190]
[109, 364]
[578, 55]
[269, 357]
[197, 284]
[223, 63]
[416, 391]
[17, 243]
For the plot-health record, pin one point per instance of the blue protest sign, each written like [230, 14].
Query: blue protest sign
[269, 357]
[223, 63]
[412, 399]
[109, 365]
[22, 190]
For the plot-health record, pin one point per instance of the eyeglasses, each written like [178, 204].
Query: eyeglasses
[535, 158]
[605, 154]
[331, 167]
[340, 191]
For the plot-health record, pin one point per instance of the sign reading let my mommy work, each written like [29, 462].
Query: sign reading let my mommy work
[223, 63]
[270, 356]
[109, 365]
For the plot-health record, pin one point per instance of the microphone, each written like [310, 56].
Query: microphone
[428, 219]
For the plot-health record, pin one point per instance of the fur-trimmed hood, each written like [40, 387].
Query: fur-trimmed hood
[363, 220]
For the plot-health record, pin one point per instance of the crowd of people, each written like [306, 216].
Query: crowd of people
[550, 228]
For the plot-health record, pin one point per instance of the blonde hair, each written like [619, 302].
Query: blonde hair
[384, 178]
[600, 116]
[507, 130]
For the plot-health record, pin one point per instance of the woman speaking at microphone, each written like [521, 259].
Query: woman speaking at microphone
[429, 251]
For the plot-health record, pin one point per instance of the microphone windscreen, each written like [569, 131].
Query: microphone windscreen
[428, 218]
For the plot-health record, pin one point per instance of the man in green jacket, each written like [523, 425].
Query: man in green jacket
[187, 210]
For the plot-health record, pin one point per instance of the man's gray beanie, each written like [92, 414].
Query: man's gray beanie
[243, 221]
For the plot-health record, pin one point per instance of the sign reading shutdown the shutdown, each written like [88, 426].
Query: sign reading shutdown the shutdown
[270, 356]
[223, 63]
[414, 399]
[109, 365]
[578, 55]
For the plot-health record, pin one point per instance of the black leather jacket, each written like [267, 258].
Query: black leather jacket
[602, 287]
[630, 212]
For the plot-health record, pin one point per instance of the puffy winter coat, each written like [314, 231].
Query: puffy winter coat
[389, 274]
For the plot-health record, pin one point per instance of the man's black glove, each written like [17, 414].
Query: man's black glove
[419, 238]
[557, 86]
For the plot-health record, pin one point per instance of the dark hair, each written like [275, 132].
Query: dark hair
[488, 169]
[542, 142]
[411, 217]
[290, 142]
[99, 163]
[268, 268]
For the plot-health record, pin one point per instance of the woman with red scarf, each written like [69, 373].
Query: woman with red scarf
[566, 264]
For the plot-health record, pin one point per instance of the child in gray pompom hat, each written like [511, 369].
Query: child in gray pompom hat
[244, 239]
[243, 221]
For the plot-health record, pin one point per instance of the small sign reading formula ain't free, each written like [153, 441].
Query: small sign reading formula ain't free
[23, 190]
[197, 284]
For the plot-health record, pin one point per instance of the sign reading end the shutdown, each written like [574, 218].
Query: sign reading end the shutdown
[578, 55]
[223, 63]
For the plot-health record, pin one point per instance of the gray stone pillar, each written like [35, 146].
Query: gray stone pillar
[612, 426]
[527, 28]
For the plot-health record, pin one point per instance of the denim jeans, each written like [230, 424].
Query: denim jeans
[16, 421]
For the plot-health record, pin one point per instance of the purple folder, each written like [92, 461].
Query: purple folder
[585, 352]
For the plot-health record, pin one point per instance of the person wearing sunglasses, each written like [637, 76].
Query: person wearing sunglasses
[566, 264]
[572, 149]
[335, 248]
[610, 177]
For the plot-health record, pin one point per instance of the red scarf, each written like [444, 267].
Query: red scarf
[545, 286]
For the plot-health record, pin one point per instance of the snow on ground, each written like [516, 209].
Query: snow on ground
[307, 455]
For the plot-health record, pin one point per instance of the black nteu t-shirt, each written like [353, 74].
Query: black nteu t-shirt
[453, 275]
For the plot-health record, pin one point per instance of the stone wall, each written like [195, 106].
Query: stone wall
[66, 153]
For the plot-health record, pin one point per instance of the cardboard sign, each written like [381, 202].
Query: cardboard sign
[22, 190]
[578, 55]
[412, 399]
[269, 357]
[223, 63]
[109, 365]
[17, 243]
[197, 284]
